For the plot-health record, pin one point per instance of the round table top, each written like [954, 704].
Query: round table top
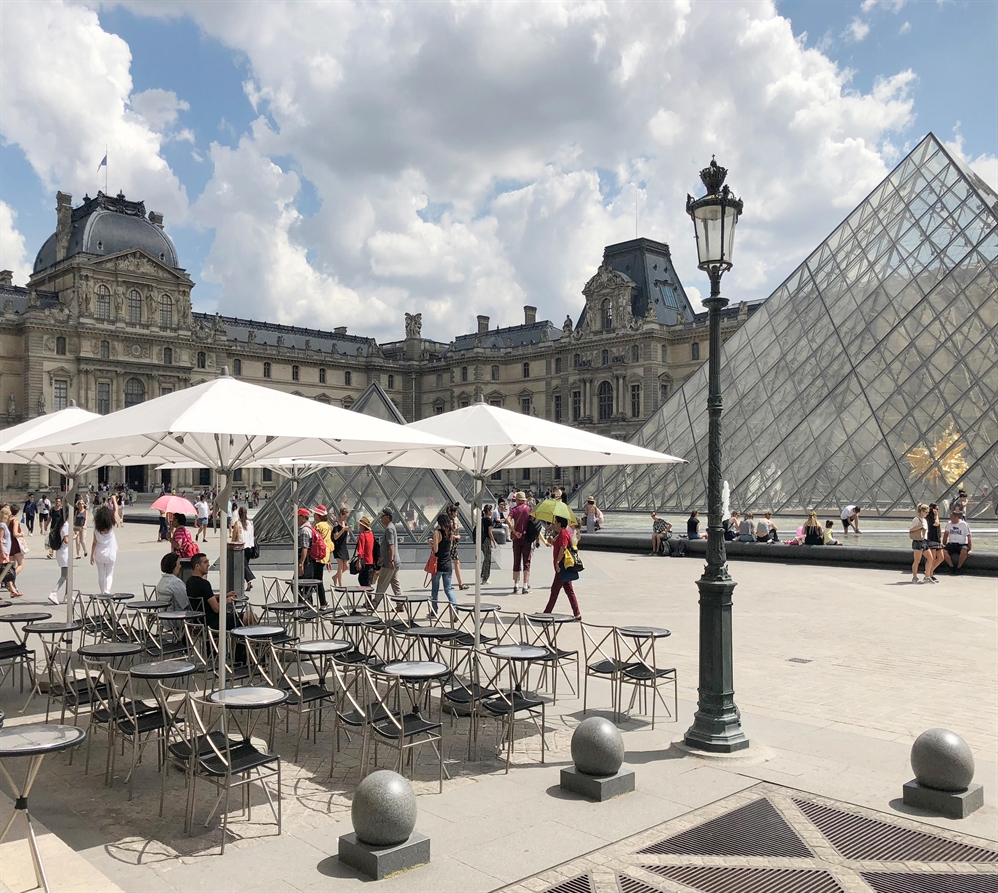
[99, 650]
[25, 617]
[5, 604]
[355, 620]
[249, 697]
[306, 581]
[53, 626]
[484, 608]
[416, 669]
[151, 605]
[415, 599]
[163, 669]
[551, 618]
[287, 606]
[431, 632]
[519, 652]
[643, 632]
[257, 632]
[38, 738]
[324, 646]
[113, 596]
[181, 615]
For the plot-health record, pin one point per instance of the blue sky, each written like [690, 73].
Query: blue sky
[345, 164]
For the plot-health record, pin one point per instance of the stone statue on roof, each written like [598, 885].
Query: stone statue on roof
[413, 325]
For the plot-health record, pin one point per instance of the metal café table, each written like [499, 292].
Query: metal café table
[644, 638]
[111, 653]
[251, 700]
[50, 632]
[430, 638]
[356, 628]
[410, 605]
[35, 741]
[258, 637]
[290, 613]
[20, 648]
[320, 651]
[416, 677]
[518, 660]
[111, 606]
[163, 669]
[145, 620]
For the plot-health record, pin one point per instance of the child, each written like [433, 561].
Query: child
[829, 538]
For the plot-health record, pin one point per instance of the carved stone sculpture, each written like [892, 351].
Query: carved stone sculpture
[413, 325]
[11, 407]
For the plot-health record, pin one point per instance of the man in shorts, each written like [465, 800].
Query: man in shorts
[203, 510]
[519, 517]
[850, 515]
[44, 508]
[660, 532]
[957, 542]
[390, 563]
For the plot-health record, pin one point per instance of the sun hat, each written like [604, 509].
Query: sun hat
[520, 495]
[320, 510]
[303, 513]
[365, 522]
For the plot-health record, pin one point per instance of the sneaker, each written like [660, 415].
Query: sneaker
[526, 589]
[915, 580]
[514, 590]
[54, 598]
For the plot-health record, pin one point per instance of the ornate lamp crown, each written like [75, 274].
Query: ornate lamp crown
[713, 176]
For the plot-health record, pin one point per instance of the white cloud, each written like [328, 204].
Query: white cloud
[13, 253]
[160, 108]
[984, 165]
[66, 92]
[905, 28]
[857, 30]
[894, 6]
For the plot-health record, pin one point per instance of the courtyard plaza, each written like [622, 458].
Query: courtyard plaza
[837, 670]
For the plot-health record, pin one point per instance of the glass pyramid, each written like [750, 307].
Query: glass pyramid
[415, 495]
[868, 376]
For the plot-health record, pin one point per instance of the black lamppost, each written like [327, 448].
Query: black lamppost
[717, 723]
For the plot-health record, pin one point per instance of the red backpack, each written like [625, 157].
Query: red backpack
[317, 550]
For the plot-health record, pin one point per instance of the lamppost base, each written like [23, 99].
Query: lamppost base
[720, 742]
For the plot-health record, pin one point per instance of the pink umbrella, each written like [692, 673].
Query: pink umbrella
[174, 504]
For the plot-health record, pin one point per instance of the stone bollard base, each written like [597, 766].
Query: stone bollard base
[952, 804]
[380, 861]
[597, 787]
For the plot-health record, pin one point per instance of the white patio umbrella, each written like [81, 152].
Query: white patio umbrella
[16, 448]
[498, 439]
[227, 424]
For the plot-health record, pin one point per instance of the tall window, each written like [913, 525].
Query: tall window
[347, 377]
[202, 360]
[134, 307]
[464, 373]
[268, 475]
[103, 397]
[204, 477]
[635, 353]
[524, 474]
[557, 365]
[440, 379]
[60, 346]
[105, 350]
[635, 401]
[557, 407]
[575, 361]
[266, 370]
[695, 350]
[665, 358]
[606, 358]
[237, 367]
[663, 392]
[60, 394]
[495, 373]
[165, 312]
[607, 316]
[322, 376]
[135, 392]
[103, 302]
[576, 405]
[605, 399]
[295, 373]
[525, 405]
[391, 382]
[526, 370]
[168, 356]
[237, 476]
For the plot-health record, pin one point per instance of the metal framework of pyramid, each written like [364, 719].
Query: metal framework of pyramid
[415, 495]
[869, 376]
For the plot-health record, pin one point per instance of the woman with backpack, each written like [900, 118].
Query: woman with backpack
[443, 548]
[564, 572]
[104, 549]
[180, 537]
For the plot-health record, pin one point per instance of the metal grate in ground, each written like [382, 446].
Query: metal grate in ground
[627, 884]
[581, 884]
[886, 882]
[720, 879]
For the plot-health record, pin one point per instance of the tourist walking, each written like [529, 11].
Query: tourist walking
[488, 541]
[341, 545]
[80, 518]
[44, 515]
[693, 525]
[322, 527]
[57, 515]
[594, 517]
[563, 577]
[957, 541]
[17, 544]
[389, 560]
[442, 546]
[365, 552]
[30, 511]
[307, 549]
[203, 510]
[180, 538]
[935, 539]
[519, 518]
[452, 511]
[104, 549]
[8, 566]
[918, 533]
[61, 558]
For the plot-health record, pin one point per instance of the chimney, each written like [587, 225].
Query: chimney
[340, 330]
[64, 223]
[483, 325]
[156, 219]
[7, 277]
[529, 315]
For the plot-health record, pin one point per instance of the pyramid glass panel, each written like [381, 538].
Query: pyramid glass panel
[879, 357]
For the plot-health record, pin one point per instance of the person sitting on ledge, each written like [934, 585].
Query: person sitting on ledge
[693, 525]
[661, 531]
[746, 530]
[829, 535]
[765, 530]
[813, 534]
[730, 526]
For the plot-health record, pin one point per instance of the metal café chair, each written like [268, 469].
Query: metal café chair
[306, 697]
[642, 670]
[544, 631]
[601, 653]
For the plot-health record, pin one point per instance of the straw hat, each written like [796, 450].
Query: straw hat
[365, 522]
[521, 496]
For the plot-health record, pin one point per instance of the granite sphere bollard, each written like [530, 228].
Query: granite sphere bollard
[384, 809]
[598, 752]
[942, 760]
[597, 748]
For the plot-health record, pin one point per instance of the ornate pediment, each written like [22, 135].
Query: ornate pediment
[607, 279]
[137, 261]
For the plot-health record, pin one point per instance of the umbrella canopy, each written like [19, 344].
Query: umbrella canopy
[174, 504]
[548, 508]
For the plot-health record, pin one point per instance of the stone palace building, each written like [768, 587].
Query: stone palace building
[106, 320]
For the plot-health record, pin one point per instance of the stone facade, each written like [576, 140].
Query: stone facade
[106, 320]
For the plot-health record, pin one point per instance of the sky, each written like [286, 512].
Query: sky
[330, 164]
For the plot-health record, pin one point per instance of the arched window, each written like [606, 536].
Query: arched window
[391, 382]
[266, 370]
[695, 351]
[103, 302]
[166, 312]
[464, 373]
[295, 373]
[606, 358]
[322, 377]
[526, 370]
[237, 367]
[607, 316]
[135, 392]
[557, 365]
[202, 360]
[167, 356]
[495, 373]
[635, 353]
[105, 350]
[605, 396]
[60, 346]
[134, 307]
[347, 377]
[664, 354]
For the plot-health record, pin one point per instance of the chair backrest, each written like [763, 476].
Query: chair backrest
[600, 643]
[347, 679]
[120, 694]
[207, 731]
[102, 697]
[174, 703]
[271, 589]
[643, 651]
[149, 591]
[509, 627]
[383, 696]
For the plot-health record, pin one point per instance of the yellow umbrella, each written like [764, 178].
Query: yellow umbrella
[547, 510]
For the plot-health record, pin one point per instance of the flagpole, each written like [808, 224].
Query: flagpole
[105, 172]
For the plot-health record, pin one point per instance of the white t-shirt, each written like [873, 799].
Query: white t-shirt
[62, 553]
[763, 527]
[248, 539]
[848, 512]
[958, 532]
[107, 546]
[920, 522]
[201, 507]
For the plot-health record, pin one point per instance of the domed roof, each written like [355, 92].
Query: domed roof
[108, 225]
